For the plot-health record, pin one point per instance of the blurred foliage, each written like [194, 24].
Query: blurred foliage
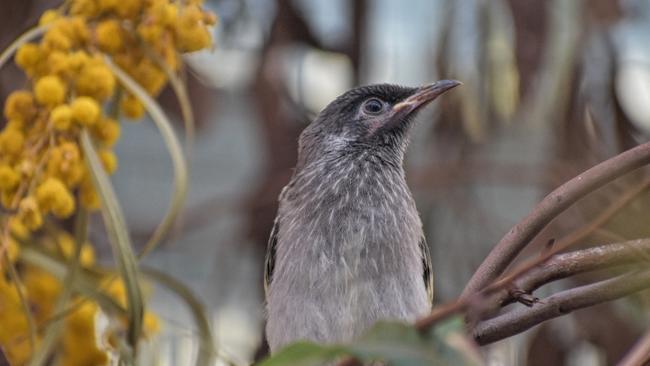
[395, 344]
[94, 64]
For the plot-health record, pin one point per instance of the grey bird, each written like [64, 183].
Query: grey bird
[347, 247]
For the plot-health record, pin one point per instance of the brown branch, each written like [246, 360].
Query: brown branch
[556, 267]
[569, 264]
[639, 354]
[552, 205]
[562, 303]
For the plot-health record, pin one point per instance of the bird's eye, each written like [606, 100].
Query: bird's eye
[373, 106]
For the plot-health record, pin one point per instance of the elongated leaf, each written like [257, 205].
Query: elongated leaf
[53, 330]
[304, 354]
[118, 236]
[207, 353]
[24, 38]
[173, 146]
[395, 344]
[83, 285]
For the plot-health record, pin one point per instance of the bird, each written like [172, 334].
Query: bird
[347, 248]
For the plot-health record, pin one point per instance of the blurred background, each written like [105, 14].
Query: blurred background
[550, 88]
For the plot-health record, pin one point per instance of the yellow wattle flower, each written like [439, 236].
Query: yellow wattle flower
[61, 117]
[11, 142]
[28, 56]
[30, 213]
[131, 107]
[108, 34]
[53, 196]
[20, 106]
[50, 91]
[85, 110]
[96, 81]
[9, 178]
[107, 131]
[48, 17]
[109, 161]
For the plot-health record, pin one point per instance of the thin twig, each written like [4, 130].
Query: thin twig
[562, 303]
[551, 206]
[580, 261]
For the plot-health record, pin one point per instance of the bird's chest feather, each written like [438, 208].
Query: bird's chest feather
[354, 228]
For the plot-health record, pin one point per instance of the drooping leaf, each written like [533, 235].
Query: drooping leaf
[118, 236]
[173, 146]
[207, 353]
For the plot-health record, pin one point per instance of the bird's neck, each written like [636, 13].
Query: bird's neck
[353, 177]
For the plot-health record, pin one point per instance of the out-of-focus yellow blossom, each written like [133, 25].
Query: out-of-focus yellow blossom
[42, 169]
[77, 60]
[68, 246]
[109, 35]
[13, 250]
[108, 5]
[84, 8]
[11, 142]
[151, 324]
[106, 131]
[129, 8]
[48, 17]
[26, 168]
[191, 33]
[85, 110]
[88, 196]
[55, 39]
[131, 107]
[27, 56]
[80, 335]
[65, 163]
[18, 229]
[96, 81]
[29, 213]
[14, 331]
[20, 106]
[50, 90]
[42, 289]
[53, 196]
[109, 161]
[9, 178]
[150, 76]
[61, 117]
[117, 291]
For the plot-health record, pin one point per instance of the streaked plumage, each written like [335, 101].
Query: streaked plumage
[347, 247]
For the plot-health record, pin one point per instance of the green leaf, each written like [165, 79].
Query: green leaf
[118, 236]
[207, 353]
[173, 146]
[398, 344]
[394, 343]
[304, 354]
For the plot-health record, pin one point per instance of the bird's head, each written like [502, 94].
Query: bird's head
[374, 117]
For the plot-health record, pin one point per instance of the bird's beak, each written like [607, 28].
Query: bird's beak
[423, 95]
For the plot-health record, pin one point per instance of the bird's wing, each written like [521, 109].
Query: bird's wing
[269, 261]
[427, 273]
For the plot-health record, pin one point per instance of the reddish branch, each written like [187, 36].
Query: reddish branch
[550, 207]
[569, 264]
[562, 303]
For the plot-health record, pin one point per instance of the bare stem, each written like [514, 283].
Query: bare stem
[550, 207]
[562, 303]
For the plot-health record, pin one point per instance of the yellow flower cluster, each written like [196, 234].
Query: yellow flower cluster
[80, 343]
[43, 172]
[41, 168]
